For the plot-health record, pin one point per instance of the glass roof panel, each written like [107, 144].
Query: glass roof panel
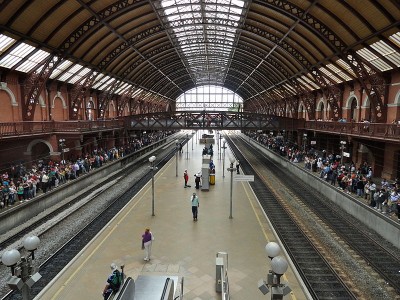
[5, 42]
[71, 72]
[345, 66]
[395, 38]
[101, 81]
[16, 55]
[373, 59]
[61, 68]
[79, 76]
[388, 52]
[338, 71]
[32, 61]
[208, 18]
[330, 75]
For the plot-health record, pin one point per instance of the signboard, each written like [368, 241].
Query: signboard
[65, 150]
[313, 142]
[243, 178]
[346, 154]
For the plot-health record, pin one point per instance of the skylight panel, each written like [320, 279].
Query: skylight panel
[61, 68]
[71, 72]
[79, 76]
[33, 61]
[5, 42]
[373, 59]
[395, 38]
[122, 88]
[137, 92]
[330, 75]
[16, 55]
[346, 66]
[101, 81]
[204, 37]
[107, 83]
[388, 52]
[305, 81]
[339, 72]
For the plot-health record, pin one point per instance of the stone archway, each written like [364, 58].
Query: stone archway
[40, 150]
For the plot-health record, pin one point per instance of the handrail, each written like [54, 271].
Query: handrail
[366, 129]
[11, 129]
[127, 292]
[361, 129]
[224, 276]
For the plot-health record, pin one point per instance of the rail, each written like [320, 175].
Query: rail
[370, 130]
[197, 120]
[222, 282]
[14, 129]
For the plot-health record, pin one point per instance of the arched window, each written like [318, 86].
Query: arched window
[90, 110]
[209, 97]
[322, 112]
[353, 109]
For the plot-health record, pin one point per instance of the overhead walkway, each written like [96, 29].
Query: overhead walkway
[183, 248]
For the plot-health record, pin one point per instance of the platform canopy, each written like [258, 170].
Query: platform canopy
[159, 49]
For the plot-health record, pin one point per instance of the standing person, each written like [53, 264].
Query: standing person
[197, 180]
[147, 240]
[186, 178]
[45, 181]
[195, 206]
[114, 281]
[237, 167]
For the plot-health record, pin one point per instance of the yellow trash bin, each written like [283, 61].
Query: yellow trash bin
[212, 179]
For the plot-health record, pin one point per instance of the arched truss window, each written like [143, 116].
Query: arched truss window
[209, 97]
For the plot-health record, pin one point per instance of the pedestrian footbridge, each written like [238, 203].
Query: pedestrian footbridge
[219, 120]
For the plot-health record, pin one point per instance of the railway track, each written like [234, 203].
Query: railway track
[282, 194]
[57, 261]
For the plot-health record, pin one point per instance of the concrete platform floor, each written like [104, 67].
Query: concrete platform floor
[182, 247]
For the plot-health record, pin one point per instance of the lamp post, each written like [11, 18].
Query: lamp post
[231, 169]
[23, 273]
[219, 143]
[151, 160]
[279, 266]
[223, 158]
[176, 156]
[192, 138]
[342, 147]
[187, 146]
[62, 146]
[304, 141]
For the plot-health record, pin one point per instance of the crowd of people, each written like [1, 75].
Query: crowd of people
[358, 181]
[22, 183]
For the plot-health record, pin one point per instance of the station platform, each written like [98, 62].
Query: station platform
[182, 247]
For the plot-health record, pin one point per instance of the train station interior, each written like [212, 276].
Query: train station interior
[96, 89]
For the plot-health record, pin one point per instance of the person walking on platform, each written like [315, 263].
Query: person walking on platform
[237, 167]
[186, 178]
[147, 240]
[195, 206]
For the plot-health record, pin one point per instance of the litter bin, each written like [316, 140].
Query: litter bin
[212, 179]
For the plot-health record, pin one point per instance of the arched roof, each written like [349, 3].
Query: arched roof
[162, 48]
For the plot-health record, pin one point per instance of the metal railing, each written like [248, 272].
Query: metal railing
[222, 281]
[371, 130]
[47, 127]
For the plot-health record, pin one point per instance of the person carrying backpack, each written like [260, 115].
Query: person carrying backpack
[114, 281]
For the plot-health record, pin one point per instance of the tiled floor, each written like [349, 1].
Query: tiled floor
[182, 247]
